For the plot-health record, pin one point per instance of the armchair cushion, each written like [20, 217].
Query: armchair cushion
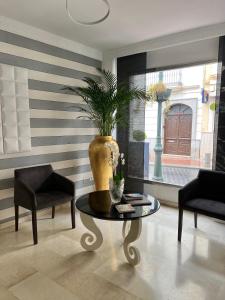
[53, 198]
[64, 184]
[208, 207]
[57, 182]
[211, 185]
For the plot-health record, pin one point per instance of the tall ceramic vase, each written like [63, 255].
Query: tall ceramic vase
[100, 155]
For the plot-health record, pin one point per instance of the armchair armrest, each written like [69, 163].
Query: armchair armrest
[64, 184]
[189, 191]
[23, 195]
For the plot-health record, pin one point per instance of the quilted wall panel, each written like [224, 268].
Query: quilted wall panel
[15, 135]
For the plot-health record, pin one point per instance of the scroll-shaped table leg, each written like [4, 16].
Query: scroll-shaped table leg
[132, 254]
[90, 242]
[126, 227]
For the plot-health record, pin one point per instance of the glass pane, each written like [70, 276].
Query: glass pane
[138, 154]
[187, 123]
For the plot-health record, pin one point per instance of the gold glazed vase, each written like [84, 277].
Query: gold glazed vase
[99, 155]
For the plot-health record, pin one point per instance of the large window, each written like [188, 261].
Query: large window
[187, 123]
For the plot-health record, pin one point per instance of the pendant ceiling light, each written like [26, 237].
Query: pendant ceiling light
[94, 22]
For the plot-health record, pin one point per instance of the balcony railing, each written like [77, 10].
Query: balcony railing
[171, 77]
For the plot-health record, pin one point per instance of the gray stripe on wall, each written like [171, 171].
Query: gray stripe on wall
[61, 123]
[25, 161]
[6, 203]
[84, 183]
[48, 87]
[55, 105]
[42, 67]
[6, 183]
[24, 42]
[60, 140]
[74, 170]
[9, 182]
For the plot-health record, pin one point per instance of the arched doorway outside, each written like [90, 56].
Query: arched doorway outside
[177, 130]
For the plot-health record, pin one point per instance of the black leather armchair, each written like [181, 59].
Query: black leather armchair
[40, 187]
[204, 195]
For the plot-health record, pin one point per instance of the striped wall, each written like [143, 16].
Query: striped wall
[58, 136]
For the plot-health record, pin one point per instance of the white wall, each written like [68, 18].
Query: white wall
[191, 53]
[172, 40]
[31, 32]
[166, 193]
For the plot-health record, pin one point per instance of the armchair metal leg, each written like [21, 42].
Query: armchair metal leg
[34, 226]
[196, 219]
[16, 217]
[53, 212]
[73, 213]
[180, 224]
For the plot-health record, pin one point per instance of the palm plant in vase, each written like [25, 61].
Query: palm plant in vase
[105, 103]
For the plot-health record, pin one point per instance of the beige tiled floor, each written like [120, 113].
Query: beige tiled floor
[58, 268]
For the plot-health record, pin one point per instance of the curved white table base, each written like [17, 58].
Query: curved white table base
[90, 242]
[126, 228]
[132, 254]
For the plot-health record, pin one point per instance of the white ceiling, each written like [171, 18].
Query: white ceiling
[130, 21]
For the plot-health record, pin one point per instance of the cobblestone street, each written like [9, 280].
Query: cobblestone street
[176, 175]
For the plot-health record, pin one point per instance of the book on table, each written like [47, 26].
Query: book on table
[136, 199]
[125, 208]
[133, 196]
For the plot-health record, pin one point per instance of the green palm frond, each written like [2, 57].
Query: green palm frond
[106, 101]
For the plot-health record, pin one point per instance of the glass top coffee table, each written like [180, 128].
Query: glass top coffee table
[92, 241]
